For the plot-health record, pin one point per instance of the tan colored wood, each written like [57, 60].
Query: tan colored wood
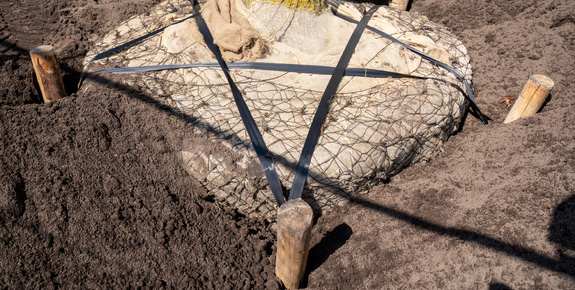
[531, 99]
[399, 4]
[48, 73]
[295, 219]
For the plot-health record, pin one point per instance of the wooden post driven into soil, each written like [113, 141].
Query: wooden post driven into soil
[48, 73]
[531, 99]
[399, 4]
[295, 219]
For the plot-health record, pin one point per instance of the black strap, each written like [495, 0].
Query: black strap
[132, 42]
[253, 131]
[315, 129]
[283, 67]
[125, 45]
[430, 59]
[323, 108]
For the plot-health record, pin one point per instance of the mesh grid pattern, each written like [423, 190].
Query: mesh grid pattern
[375, 127]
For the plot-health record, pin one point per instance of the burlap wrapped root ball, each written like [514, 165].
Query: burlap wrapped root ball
[375, 126]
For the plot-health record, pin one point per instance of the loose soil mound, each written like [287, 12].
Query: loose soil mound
[92, 193]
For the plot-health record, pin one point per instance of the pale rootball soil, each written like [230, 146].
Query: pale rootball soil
[92, 194]
[413, 117]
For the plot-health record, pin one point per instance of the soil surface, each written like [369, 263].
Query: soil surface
[93, 195]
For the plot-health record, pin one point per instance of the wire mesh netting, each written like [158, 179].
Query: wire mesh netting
[375, 126]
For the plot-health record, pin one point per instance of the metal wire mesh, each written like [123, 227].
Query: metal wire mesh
[375, 127]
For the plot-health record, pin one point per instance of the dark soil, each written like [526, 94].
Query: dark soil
[92, 193]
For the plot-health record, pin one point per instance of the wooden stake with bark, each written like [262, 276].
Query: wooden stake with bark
[531, 99]
[399, 4]
[295, 219]
[48, 73]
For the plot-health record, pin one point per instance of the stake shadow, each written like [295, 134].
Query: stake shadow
[547, 100]
[329, 244]
[499, 286]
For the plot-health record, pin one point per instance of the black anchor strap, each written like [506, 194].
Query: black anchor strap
[433, 61]
[315, 129]
[134, 41]
[283, 67]
[323, 107]
[247, 118]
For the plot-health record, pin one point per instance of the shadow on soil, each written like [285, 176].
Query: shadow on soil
[329, 244]
[10, 50]
[561, 230]
[341, 234]
[499, 286]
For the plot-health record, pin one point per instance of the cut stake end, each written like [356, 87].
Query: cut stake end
[295, 219]
[399, 4]
[48, 73]
[534, 94]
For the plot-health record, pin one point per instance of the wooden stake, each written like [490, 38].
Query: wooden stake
[531, 99]
[399, 4]
[48, 73]
[295, 218]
